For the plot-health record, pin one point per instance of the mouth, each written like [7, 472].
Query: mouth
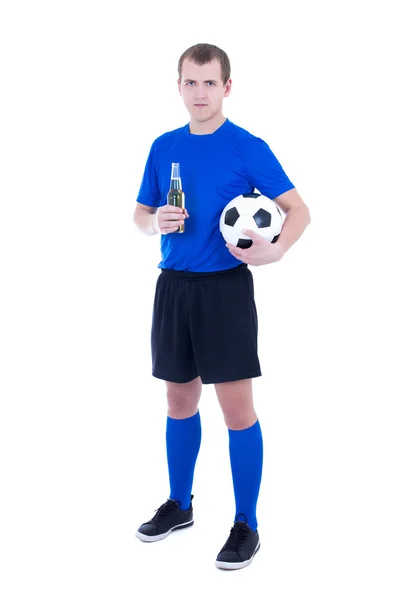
[200, 105]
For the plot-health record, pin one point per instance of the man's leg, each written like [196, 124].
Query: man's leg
[183, 438]
[224, 332]
[173, 362]
[245, 446]
[246, 456]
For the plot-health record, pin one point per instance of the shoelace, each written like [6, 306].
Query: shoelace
[165, 510]
[237, 536]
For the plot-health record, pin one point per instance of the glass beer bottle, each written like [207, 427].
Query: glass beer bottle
[176, 196]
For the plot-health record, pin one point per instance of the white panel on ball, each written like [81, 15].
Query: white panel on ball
[250, 211]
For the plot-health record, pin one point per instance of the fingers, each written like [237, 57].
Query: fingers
[172, 213]
[169, 208]
[170, 226]
[171, 217]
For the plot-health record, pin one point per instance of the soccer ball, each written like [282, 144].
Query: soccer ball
[250, 211]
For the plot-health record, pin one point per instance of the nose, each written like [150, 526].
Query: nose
[200, 93]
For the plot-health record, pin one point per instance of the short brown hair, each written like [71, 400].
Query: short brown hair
[205, 53]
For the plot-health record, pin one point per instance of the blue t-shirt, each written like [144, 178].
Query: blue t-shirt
[215, 168]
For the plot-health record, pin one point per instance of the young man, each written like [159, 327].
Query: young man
[204, 328]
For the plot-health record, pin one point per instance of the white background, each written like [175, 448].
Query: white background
[85, 88]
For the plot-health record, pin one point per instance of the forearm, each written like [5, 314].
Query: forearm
[145, 222]
[294, 225]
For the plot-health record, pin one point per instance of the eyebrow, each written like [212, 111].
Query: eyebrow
[205, 81]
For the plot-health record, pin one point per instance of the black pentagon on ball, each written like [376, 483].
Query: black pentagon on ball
[262, 218]
[252, 195]
[231, 216]
[244, 243]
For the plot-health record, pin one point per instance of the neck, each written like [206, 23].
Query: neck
[207, 127]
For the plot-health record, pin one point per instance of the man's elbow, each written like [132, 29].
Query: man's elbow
[308, 215]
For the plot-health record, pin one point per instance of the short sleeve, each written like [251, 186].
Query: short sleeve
[265, 171]
[149, 191]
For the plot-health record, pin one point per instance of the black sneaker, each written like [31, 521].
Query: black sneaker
[240, 547]
[168, 518]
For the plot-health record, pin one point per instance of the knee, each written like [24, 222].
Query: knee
[179, 407]
[238, 419]
[183, 399]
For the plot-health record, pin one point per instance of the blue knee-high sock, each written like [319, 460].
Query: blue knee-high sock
[246, 456]
[183, 438]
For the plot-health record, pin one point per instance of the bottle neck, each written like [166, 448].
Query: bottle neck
[176, 183]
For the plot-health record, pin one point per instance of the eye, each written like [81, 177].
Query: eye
[189, 83]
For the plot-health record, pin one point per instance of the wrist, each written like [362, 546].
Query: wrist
[280, 247]
[154, 223]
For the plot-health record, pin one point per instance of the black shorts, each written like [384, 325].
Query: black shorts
[205, 324]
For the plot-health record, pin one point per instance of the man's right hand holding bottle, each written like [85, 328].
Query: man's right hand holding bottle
[168, 218]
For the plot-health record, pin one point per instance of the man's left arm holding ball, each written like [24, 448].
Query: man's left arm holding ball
[262, 252]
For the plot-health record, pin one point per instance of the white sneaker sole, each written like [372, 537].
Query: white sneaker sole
[239, 565]
[162, 536]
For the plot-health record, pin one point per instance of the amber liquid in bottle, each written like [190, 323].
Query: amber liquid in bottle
[176, 196]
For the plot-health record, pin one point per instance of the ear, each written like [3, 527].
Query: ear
[228, 88]
[179, 85]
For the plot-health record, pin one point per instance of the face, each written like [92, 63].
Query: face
[202, 89]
